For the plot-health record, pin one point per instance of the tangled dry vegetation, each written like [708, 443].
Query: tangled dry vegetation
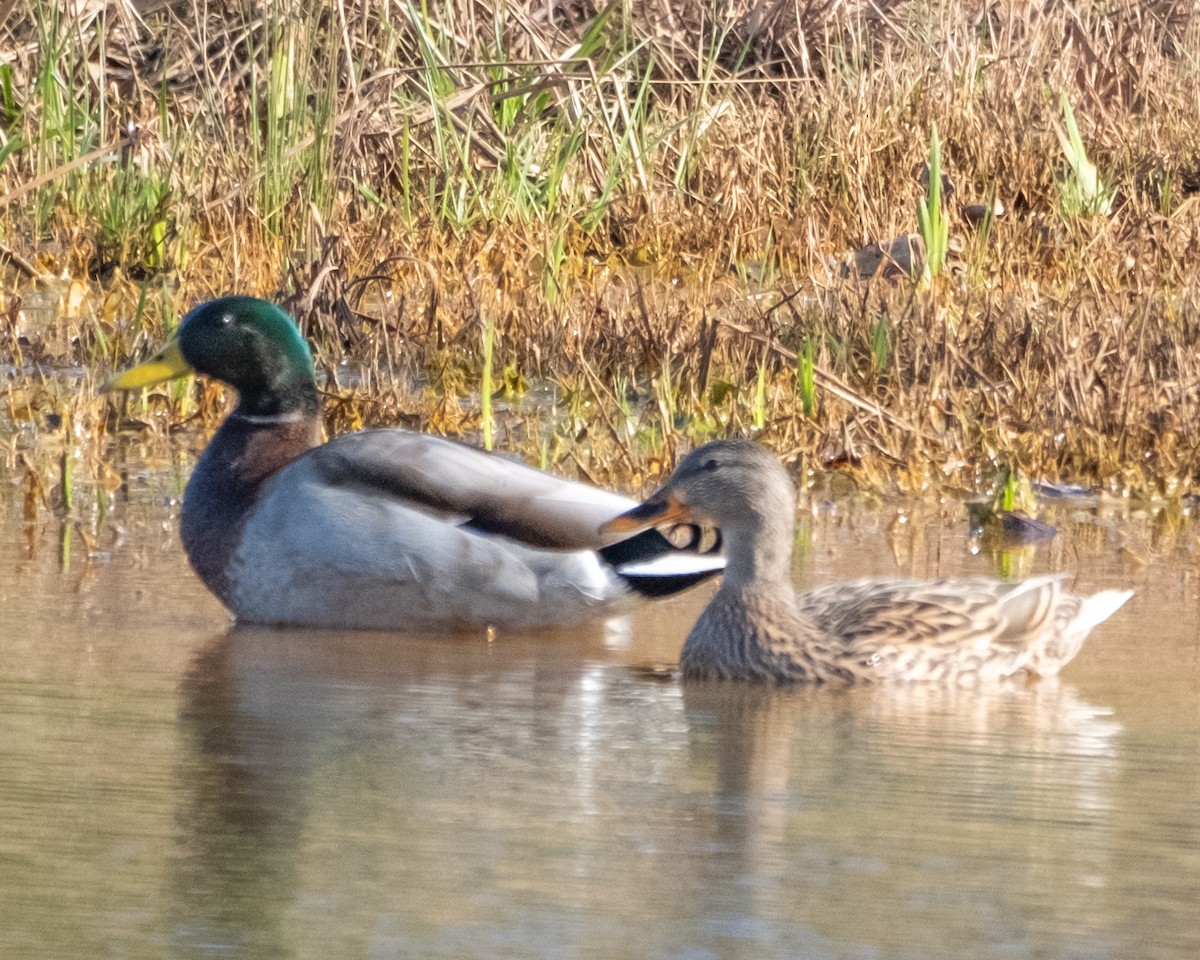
[673, 220]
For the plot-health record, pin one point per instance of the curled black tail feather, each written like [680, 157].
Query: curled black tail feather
[664, 586]
[651, 544]
[684, 538]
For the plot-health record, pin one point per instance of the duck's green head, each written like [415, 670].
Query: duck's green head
[250, 344]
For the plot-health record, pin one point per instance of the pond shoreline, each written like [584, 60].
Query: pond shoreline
[684, 240]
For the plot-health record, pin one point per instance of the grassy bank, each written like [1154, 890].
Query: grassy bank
[672, 225]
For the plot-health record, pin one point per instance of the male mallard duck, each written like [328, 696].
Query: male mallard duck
[383, 529]
[758, 628]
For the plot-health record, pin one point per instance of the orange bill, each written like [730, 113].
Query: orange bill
[661, 508]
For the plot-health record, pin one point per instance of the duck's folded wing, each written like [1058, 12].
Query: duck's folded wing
[466, 485]
[931, 630]
[492, 494]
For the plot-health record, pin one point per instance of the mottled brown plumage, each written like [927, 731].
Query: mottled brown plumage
[758, 628]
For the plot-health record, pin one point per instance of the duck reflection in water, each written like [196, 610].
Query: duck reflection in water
[452, 796]
[304, 733]
[900, 800]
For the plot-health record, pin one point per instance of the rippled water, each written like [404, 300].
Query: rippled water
[170, 787]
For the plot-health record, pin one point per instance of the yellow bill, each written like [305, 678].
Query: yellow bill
[167, 364]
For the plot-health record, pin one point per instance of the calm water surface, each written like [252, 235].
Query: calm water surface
[172, 787]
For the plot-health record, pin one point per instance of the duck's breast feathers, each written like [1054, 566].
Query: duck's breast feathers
[463, 484]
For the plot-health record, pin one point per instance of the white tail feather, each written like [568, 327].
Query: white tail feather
[1100, 606]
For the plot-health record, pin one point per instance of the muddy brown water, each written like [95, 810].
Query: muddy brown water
[172, 787]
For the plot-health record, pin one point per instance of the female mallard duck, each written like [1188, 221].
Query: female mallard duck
[383, 529]
[758, 628]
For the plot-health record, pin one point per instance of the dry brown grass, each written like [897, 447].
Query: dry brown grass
[696, 235]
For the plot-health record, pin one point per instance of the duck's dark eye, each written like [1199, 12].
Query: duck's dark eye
[226, 319]
[710, 464]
